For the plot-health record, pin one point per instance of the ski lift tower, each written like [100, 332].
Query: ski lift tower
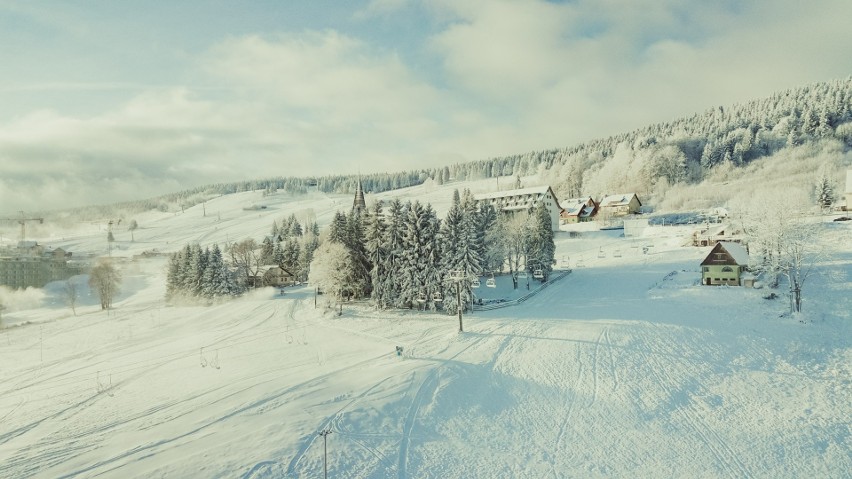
[459, 276]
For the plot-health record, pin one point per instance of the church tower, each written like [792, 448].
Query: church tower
[359, 205]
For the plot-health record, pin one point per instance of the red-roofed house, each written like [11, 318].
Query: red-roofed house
[577, 210]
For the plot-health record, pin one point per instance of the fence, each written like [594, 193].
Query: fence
[506, 304]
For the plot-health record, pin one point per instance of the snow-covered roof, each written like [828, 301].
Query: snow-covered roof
[617, 200]
[535, 190]
[737, 251]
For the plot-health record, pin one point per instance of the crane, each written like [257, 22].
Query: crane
[22, 220]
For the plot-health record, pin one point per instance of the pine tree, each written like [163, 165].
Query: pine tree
[393, 246]
[374, 237]
[542, 247]
[173, 282]
[462, 243]
[198, 267]
[824, 189]
[337, 229]
[217, 281]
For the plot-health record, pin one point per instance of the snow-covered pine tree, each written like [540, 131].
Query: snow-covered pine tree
[824, 189]
[274, 232]
[360, 263]
[198, 267]
[267, 250]
[186, 274]
[431, 252]
[289, 260]
[337, 229]
[217, 282]
[462, 242]
[411, 260]
[306, 255]
[541, 246]
[374, 238]
[296, 229]
[393, 260]
[173, 282]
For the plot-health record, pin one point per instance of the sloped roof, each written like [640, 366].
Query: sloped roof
[734, 251]
[737, 251]
[618, 200]
[533, 191]
[536, 190]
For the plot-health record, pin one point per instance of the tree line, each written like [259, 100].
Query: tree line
[404, 256]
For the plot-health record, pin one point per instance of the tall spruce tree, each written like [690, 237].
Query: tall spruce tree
[374, 245]
[541, 246]
[393, 246]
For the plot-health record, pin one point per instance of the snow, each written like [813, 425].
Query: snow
[737, 251]
[625, 367]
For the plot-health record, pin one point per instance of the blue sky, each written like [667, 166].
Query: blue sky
[108, 101]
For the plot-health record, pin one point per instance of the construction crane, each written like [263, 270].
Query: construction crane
[22, 220]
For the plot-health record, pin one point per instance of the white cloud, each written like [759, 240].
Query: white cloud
[512, 77]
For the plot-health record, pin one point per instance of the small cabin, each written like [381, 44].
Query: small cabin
[725, 265]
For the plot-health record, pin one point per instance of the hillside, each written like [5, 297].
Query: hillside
[624, 367]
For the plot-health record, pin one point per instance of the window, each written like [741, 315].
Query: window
[706, 269]
[727, 269]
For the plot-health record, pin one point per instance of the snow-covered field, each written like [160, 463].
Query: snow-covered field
[623, 368]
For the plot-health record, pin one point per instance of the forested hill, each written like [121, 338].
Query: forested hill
[685, 150]
[648, 160]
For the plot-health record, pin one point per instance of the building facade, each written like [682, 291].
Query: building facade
[30, 266]
[725, 265]
[619, 205]
[513, 201]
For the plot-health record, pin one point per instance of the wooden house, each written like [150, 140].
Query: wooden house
[577, 210]
[619, 205]
[277, 276]
[725, 264]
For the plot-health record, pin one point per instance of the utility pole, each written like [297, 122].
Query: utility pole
[324, 433]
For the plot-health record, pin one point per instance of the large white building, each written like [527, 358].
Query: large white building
[523, 200]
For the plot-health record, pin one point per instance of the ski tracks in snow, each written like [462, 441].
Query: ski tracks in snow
[727, 459]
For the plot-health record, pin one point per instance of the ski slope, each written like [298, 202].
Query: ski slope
[623, 368]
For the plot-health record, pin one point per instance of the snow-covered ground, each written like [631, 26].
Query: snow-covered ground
[625, 367]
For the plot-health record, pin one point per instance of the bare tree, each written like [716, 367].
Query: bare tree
[516, 235]
[104, 279]
[330, 270]
[71, 293]
[783, 239]
[246, 257]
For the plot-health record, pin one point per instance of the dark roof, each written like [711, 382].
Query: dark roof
[726, 253]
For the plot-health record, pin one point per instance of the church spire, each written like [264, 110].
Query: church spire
[359, 205]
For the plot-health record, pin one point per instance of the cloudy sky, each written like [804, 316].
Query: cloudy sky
[104, 101]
